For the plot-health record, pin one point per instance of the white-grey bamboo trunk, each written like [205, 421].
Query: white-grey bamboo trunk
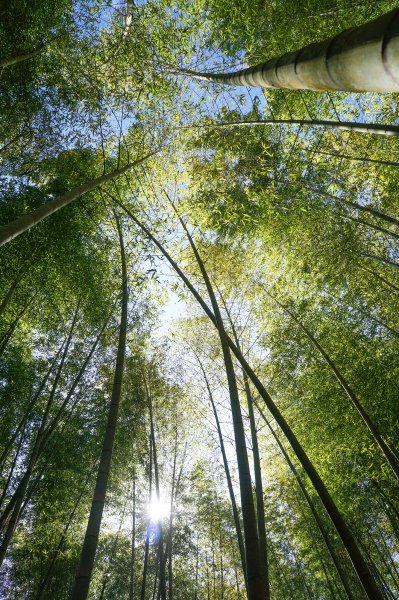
[364, 58]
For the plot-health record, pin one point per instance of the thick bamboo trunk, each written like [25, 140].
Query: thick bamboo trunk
[360, 566]
[376, 128]
[364, 58]
[85, 568]
[12, 230]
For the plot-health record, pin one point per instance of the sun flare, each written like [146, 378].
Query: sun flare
[158, 510]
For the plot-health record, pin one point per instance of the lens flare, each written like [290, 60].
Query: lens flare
[158, 510]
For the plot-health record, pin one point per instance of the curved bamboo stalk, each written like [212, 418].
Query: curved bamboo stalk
[236, 516]
[360, 566]
[361, 59]
[376, 128]
[13, 510]
[341, 574]
[48, 574]
[14, 59]
[260, 505]
[85, 568]
[373, 429]
[374, 161]
[15, 228]
[256, 585]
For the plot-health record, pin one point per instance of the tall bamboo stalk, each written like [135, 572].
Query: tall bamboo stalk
[260, 505]
[371, 426]
[255, 580]
[15, 228]
[341, 574]
[147, 533]
[360, 566]
[30, 406]
[13, 508]
[357, 127]
[162, 581]
[85, 568]
[236, 516]
[364, 58]
[133, 538]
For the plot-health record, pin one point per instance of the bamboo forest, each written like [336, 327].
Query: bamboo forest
[199, 300]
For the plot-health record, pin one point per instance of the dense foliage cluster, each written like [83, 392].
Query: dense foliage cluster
[183, 205]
